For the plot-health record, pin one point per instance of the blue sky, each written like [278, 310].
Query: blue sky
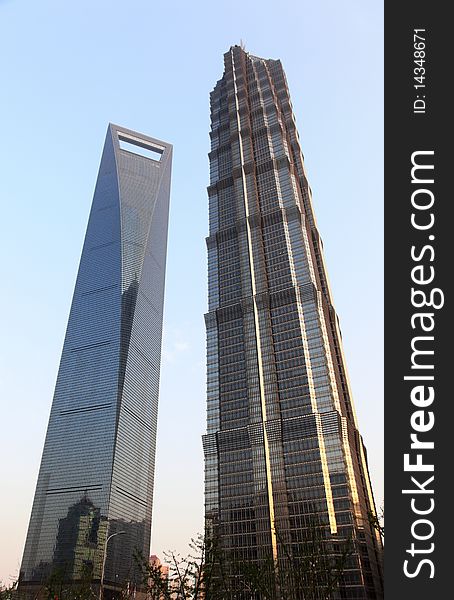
[70, 68]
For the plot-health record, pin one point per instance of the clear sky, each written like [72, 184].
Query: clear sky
[67, 69]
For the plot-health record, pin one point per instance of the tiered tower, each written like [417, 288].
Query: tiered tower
[283, 453]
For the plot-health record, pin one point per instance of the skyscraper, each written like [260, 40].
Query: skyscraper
[97, 468]
[283, 455]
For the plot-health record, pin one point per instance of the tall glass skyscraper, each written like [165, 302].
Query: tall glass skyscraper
[97, 468]
[283, 454]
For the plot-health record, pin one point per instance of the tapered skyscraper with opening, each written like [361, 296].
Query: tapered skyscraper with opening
[284, 460]
[97, 469]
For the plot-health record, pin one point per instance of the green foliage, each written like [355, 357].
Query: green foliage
[311, 570]
[377, 521]
[7, 592]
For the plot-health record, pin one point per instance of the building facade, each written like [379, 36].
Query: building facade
[284, 461]
[97, 469]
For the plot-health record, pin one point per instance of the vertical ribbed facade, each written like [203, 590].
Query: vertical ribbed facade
[97, 468]
[282, 449]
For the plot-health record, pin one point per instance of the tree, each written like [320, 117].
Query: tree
[309, 570]
[377, 521]
[7, 591]
[186, 578]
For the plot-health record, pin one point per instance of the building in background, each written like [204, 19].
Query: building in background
[155, 562]
[284, 461]
[97, 468]
[158, 584]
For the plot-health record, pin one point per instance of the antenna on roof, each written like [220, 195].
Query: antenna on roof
[243, 45]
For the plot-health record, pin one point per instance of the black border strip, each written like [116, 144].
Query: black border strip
[408, 132]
